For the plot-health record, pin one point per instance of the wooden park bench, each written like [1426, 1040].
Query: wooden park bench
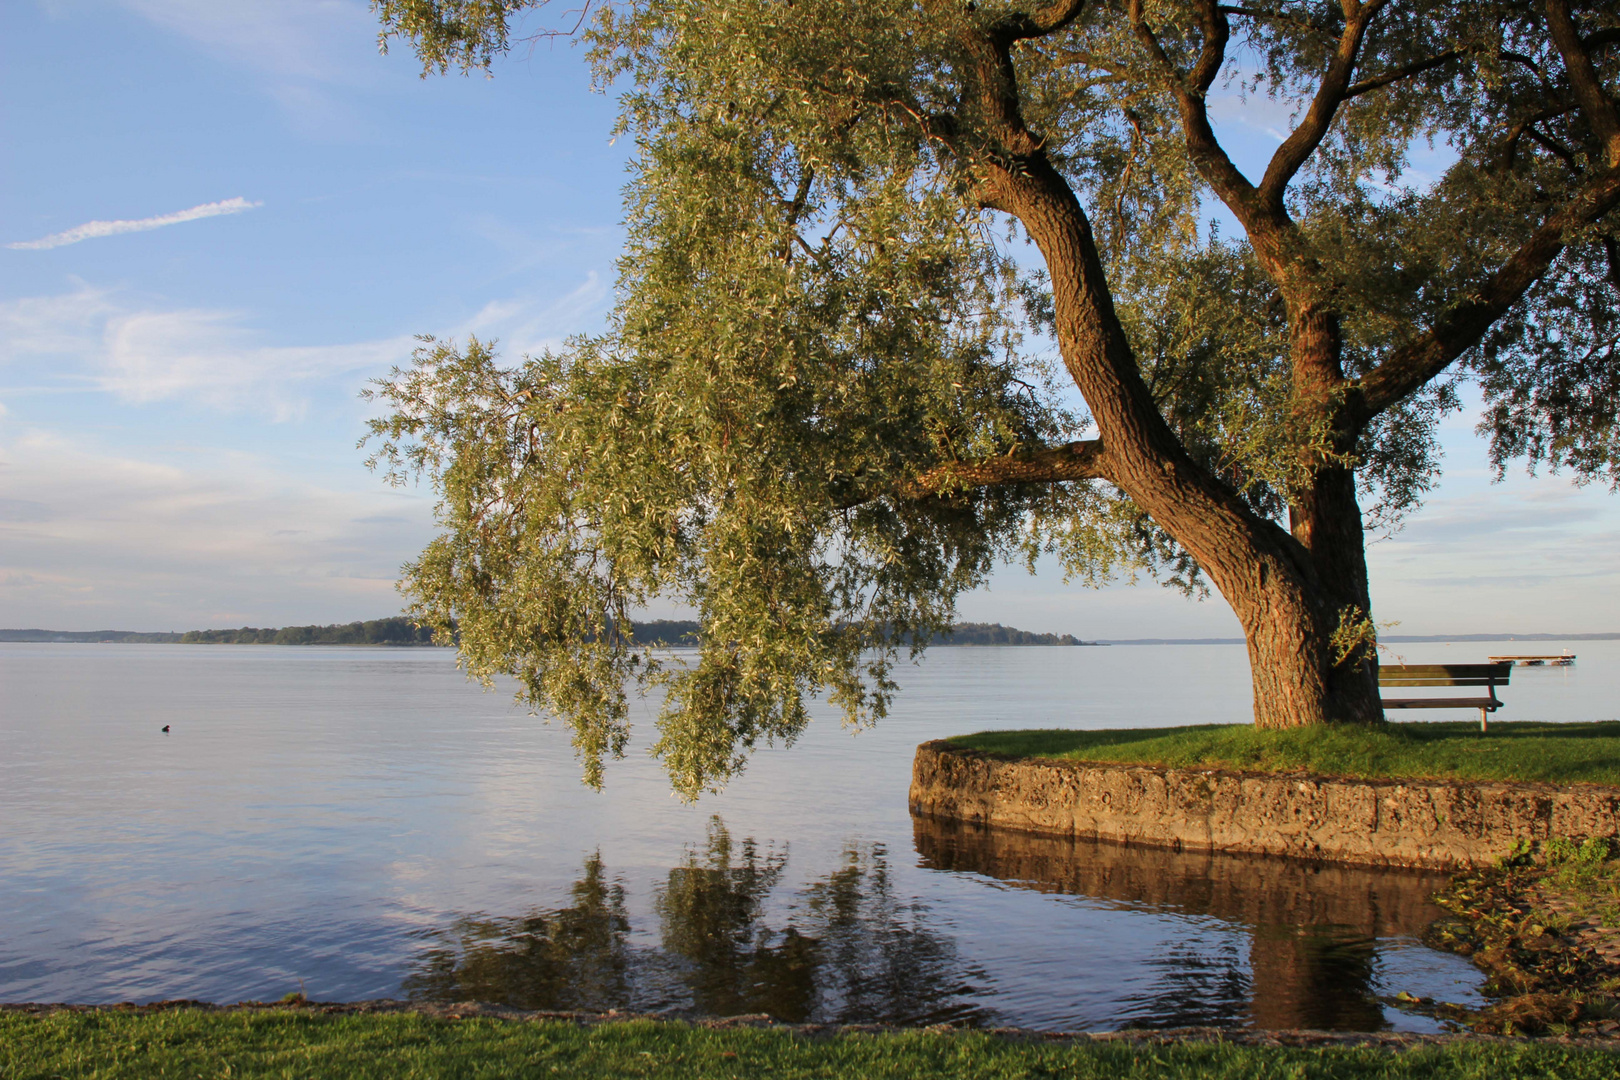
[1489, 676]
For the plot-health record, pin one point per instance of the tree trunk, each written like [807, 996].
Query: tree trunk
[1290, 601]
[1290, 591]
[1298, 679]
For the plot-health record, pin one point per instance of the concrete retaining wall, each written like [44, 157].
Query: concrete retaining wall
[1418, 823]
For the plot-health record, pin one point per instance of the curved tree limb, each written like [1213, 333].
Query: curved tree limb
[1082, 460]
[1419, 67]
[1211, 159]
[1044, 20]
[1583, 79]
[1330, 94]
[1462, 327]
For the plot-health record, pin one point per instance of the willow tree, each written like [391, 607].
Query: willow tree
[915, 286]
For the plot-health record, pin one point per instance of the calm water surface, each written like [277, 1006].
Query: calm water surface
[363, 823]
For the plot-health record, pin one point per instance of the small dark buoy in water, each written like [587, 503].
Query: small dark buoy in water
[165, 729]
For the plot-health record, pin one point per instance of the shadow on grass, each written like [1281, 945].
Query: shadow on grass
[1510, 730]
[1060, 742]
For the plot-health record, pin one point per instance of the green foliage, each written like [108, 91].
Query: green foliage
[1551, 370]
[822, 321]
[450, 33]
[1355, 639]
[728, 461]
[297, 1042]
[1522, 750]
[1587, 872]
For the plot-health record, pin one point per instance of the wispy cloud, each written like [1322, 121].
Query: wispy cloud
[108, 340]
[102, 340]
[91, 230]
[209, 357]
[526, 324]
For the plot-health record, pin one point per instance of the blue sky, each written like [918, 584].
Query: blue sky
[179, 402]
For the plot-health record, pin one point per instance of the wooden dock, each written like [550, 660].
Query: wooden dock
[1561, 660]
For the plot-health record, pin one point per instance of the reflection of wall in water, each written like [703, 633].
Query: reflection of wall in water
[851, 951]
[1312, 925]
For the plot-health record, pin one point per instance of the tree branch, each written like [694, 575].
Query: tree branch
[1217, 31]
[795, 209]
[1554, 147]
[1583, 79]
[1044, 20]
[1517, 131]
[1398, 74]
[1208, 155]
[1276, 16]
[1303, 140]
[1465, 323]
[1520, 58]
[1083, 460]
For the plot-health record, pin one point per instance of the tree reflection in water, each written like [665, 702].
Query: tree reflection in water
[848, 951]
[712, 921]
[846, 948]
[574, 957]
[1312, 928]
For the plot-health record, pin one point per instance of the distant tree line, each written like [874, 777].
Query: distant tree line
[668, 632]
[978, 633]
[392, 631]
[399, 630]
[90, 637]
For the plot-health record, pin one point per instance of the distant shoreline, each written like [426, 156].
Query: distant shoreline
[975, 635]
[400, 631]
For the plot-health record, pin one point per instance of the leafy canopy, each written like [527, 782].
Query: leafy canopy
[818, 412]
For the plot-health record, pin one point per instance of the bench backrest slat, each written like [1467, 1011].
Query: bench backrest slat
[1441, 682]
[1444, 674]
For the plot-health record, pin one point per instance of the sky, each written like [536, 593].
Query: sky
[222, 218]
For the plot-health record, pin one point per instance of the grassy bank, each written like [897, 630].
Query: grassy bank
[297, 1043]
[1554, 753]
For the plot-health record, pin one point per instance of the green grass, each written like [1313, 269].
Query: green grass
[1555, 753]
[291, 1043]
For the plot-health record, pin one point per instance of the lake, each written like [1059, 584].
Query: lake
[363, 823]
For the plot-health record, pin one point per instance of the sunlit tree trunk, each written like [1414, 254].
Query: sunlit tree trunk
[1292, 591]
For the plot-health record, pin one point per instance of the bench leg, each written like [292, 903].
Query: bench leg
[1483, 713]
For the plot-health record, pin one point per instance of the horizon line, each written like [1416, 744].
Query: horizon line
[1393, 638]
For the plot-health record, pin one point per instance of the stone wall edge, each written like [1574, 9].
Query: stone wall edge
[1435, 824]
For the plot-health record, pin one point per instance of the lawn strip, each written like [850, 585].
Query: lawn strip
[112, 1044]
[1521, 751]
